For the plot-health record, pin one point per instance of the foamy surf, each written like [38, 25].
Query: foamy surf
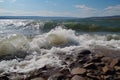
[47, 48]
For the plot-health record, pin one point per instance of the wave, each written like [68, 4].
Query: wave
[47, 48]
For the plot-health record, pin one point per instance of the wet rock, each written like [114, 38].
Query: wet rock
[107, 60]
[85, 52]
[117, 68]
[96, 60]
[3, 77]
[90, 66]
[108, 70]
[74, 64]
[108, 77]
[82, 61]
[100, 64]
[65, 71]
[39, 78]
[76, 77]
[114, 62]
[15, 76]
[78, 70]
[99, 56]
[93, 77]
[57, 76]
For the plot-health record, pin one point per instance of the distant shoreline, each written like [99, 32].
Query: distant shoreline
[57, 17]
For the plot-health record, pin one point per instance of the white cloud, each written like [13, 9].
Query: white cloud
[85, 11]
[112, 10]
[115, 8]
[84, 7]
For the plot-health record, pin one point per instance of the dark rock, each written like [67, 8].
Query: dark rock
[3, 77]
[39, 78]
[114, 62]
[117, 68]
[96, 60]
[100, 64]
[57, 76]
[82, 61]
[108, 77]
[74, 64]
[85, 52]
[108, 70]
[78, 70]
[90, 66]
[76, 77]
[65, 71]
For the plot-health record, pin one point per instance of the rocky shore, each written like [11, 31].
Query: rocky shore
[83, 65]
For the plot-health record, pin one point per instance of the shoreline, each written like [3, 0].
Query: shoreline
[83, 65]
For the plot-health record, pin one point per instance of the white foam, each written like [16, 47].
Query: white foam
[45, 50]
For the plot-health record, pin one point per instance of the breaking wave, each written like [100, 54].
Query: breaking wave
[46, 48]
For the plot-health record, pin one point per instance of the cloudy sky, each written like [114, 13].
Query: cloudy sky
[65, 8]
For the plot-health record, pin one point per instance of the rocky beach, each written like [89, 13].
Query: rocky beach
[83, 65]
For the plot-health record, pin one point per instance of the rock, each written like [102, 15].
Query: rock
[78, 71]
[100, 64]
[93, 77]
[39, 78]
[85, 52]
[114, 62]
[3, 77]
[96, 60]
[57, 76]
[117, 68]
[82, 61]
[107, 60]
[65, 71]
[108, 70]
[76, 77]
[90, 66]
[108, 77]
[99, 56]
[17, 77]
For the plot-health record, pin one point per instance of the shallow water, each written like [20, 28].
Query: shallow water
[26, 36]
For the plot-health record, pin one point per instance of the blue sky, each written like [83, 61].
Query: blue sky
[66, 8]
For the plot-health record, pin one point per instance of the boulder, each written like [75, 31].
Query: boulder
[78, 70]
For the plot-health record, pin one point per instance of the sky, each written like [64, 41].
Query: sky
[60, 8]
